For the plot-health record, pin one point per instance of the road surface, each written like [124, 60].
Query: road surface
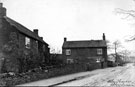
[121, 76]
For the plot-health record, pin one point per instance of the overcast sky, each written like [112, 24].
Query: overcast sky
[74, 19]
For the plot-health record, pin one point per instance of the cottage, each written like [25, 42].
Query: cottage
[85, 51]
[12, 32]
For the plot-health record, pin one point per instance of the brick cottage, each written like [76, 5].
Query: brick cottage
[12, 32]
[85, 51]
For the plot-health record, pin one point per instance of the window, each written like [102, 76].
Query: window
[99, 51]
[98, 59]
[27, 42]
[68, 52]
[69, 61]
[37, 44]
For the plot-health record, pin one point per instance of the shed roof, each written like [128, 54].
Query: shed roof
[84, 44]
[23, 29]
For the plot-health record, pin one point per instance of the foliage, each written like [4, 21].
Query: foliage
[27, 60]
[56, 59]
[24, 59]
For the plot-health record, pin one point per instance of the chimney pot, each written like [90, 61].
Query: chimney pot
[41, 38]
[35, 31]
[2, 10]
[104, 36]
[65, 39]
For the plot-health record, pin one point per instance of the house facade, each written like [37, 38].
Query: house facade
[23, 38]
[85, 51]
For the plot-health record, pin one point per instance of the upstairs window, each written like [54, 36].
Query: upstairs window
[27, 42]
[68, 52]
[99, 51]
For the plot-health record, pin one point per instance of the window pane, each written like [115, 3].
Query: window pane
[69, 61]
[27, 42]
[68, 52]
[99, 51]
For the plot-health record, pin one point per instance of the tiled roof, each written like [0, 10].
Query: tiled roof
[23, 29]
[83, 44]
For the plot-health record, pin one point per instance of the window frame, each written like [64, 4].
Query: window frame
[99, 51]
[70, 61]
[68, 52]
[27, 42]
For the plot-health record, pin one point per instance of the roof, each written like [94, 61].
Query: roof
[84, 44]
[23, 29]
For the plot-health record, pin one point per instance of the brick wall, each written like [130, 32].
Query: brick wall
[83, 53]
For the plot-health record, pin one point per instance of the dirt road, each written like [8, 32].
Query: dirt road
[112, 77]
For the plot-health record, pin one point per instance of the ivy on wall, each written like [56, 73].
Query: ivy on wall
[18, 60]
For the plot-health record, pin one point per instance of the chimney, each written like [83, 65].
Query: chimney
[1, 5]
[35, 31]
[41, 38]
[2, 10]
[104, 36]
[65, 39]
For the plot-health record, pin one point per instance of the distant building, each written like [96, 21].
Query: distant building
[85, 51]
[26, 39]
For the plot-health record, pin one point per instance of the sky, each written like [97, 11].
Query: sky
[74, 19]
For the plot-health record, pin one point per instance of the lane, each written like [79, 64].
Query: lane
[127, 78]
[100, 77]
[118, 76]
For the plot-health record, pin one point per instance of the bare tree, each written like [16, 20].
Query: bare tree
[108, 44]
[116, 46]
[54, 50]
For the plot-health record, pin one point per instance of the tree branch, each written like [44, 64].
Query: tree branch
[131, 39]
[127, 12]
